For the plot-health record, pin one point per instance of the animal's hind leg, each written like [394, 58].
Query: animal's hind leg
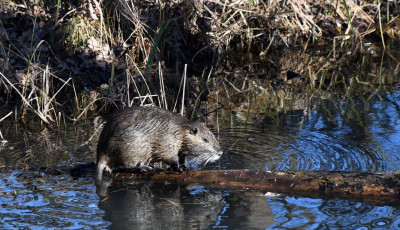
[101, 166]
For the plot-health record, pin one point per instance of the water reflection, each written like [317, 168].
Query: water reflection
[251, 210]
[38, 201]
[304, 213]
[46, 147]
[354, 135]
[161, 206]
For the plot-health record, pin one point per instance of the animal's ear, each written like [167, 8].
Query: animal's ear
[193, 130]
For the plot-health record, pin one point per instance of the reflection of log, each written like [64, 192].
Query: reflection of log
[337, 184]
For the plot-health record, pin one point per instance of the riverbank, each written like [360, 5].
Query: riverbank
[69, 61]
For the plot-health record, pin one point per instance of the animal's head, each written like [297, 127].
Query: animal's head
[200, 143]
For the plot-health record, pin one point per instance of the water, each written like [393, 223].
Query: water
[48, 201]
[330, 135]
[364, 138]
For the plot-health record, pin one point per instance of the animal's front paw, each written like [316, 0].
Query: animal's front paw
[146, 168]
[182, 168]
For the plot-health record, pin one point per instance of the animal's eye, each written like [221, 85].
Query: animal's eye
[193, 131]
[205, 140]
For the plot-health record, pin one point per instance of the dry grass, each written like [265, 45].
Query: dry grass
[341, 80]
[140, 51]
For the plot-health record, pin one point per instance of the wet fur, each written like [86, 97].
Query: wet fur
[151, 137]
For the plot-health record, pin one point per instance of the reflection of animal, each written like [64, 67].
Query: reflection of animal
[151, 137]
[147, 201]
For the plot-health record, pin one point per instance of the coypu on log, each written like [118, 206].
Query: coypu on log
[150, 137]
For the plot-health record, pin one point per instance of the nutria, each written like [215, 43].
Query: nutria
[149, 137]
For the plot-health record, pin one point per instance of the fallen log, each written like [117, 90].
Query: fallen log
[377, 187]
[385, 185]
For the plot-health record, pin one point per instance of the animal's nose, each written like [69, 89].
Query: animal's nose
[220, 153]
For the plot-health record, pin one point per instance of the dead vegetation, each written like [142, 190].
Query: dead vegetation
[64, 60]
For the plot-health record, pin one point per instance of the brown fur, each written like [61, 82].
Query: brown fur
[151, 137]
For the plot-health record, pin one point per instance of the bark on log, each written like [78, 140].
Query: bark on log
[370, 186]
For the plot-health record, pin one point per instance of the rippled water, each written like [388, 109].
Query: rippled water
[45, 201]
[327, 137]
[366, 138]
